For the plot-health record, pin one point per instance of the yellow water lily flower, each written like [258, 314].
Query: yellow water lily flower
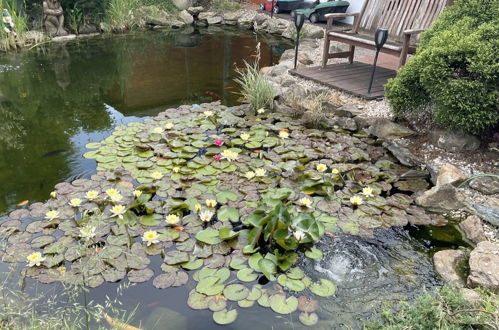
[321, 167]
[150, 237]
[229, 155]
[305, 202]
[111, 192]
[53, 194]
[157, 175]
[87, 232]
[158, 130]
[118, 211]
[260, 172]
[283, 134]
[169, 125]
[356, 200]
[299, 235]
[211, 203]
[260, 111]
[75, 202]
[35, 259]
[206, 216]
[172, 219]
[116, 198]
[137, 193]
[52, 215]
[197, 207]
[176, 169]
[61, 270]
[245, 136]
[208, 113]
[335, 171]
[368, 192]
[250, 175]
[92, 194]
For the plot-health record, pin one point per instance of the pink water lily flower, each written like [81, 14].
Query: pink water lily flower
[218, 142]
[217, 157]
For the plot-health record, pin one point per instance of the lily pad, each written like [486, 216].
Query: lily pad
[237, 263]
[193, 263]
[282, 305]
[176, 257]
[208, 236]
[236, 292]
[217, 303]
[323, 288]
[225, 196]
[163, 281]
[245, 303]
[210, 286]
[308, 319]
[264, 300]
[197, 300]
[246, 275]
[225, 316]
[228, 213]
[314, 253]
[307, 305]
[139, 276]
[268, 268]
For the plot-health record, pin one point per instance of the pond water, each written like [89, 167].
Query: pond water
[58, 97]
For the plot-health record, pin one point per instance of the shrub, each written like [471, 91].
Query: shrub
[455, 72]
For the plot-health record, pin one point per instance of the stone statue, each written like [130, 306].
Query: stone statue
[53, 17]
[8, 24]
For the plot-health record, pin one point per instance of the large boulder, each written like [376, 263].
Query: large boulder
[152, 15]
[450, 174]
[275, 26]
[303, 57]
[345, 123]
[214, 20]
[487, 185]
[185, 17]
[312, 31]
[194, 11]
[456, 141]
[442, 198]
[486, 213]
[447, 265]
[473, 229]
[403, 154]
[388, 130]
[484, 266]
[182, 4]
[245, 21]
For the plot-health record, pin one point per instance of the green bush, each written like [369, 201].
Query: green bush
[455, 72]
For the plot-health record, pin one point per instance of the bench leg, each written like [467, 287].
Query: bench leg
[405, 50]
[325, 53]
[352, 52]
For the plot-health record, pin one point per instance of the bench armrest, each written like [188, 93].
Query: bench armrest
[341, 15]
[332, 16]
[413, 31]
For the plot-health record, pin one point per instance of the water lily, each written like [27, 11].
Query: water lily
[356, 200]
[218, 142]
[172, 219]
[206, 216]
[299, 235]
[229, 155]
[210, 203]
[169, 125]
[137, 193]
[368, 192]
[245, 136]
[260, 111]
[111, 192]
[176, 169]
[118, 211]
[250, 175]
[157, 129]
[53, 194]
[116, 198]
[335, 171]
[92, 194]
[51, 215]
[217, 157]
[197, 207]
[157, 175]
[61, 270]
[283, 134]
[75, 202]
[35, 259]
[260, 172]
[87, 232]
[321, 167]
[305, 202]
[150, 237]
[208, 113]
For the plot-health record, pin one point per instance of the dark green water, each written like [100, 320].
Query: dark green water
[56, 98]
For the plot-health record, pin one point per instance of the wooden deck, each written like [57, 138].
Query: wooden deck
[350, 78]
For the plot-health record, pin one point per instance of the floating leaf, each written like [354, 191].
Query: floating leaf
[308, 319]
[314, 253]
[281, 305]
[193, 263]
[225, 196]
[295, 273]
[228, 213]
[264, 300]
[236, 292]
[227, 233]
[246, 275]
[323, 288]
[208, 236]
[255, 293]
[237, 263]
[210, 286]
[253, 261]
[163, 281]
[268, 268]
[139, 276]
[197, 300]
[245, 303]
[307, 305]
[216, 303]
[176, 257]
[225, 317]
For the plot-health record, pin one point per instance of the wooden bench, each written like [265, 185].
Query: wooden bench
[403, 19]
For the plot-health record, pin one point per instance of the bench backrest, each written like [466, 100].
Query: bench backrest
[400, 15]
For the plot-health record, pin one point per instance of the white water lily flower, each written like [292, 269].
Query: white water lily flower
[260, 111]
[87, 232]
[75, 202]
[172, 219]
[305, 202]
[229, 155]
[206, 216]
[260, 172]
[210, 203]
[150, 237]
[283, 134]
[35, 259]
[244, 136]
[158, 130]
[53, 194]
[169, 125]
[321, 168]
[137, 193]
[208, 113]
[92, 194]
[157, 175]
[111, 192]
[118, 211]
[335, 171]
[299, 235]
[52, 215]
[176, 169]
[250, 175]
[368, 192]
[356, 200]
[116, 198]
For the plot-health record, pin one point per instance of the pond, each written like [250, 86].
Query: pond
[103, 98]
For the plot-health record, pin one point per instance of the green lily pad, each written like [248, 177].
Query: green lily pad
[295, 285]
[225, 196]
[193, 263]
[255, 293]
[268, 268]
[253, 261]
[281, 305]
[246, 275]
[216, 303]
[245, 303]
[163, 281]
[176, 257]
[314, 253]
[227, 233]
[197, 300]
[228, 213]
[210, 286]
[208, 236]
[236, 292]
[264, 300]
[295, 273]
[225, 316]
[139, 276]
[323, 288]
[237, 263]
[308, 319]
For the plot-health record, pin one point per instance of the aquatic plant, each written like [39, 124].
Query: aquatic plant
[119, 13]
[256, 89]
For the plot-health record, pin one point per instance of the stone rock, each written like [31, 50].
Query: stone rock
[185, 17]
[182, 4]
[450, 174]
[388, 130]
[473, 229]
[283, 108]
[176, 24]
[309, 43]
[205, 15]
[214, 20]
[260, 18]
[433, 172]
[303, 57]
[290, 32]
[403, 154]
[347, 110]
[364, 122]
[275, 26]
[489, 214]
[64, 38]
[266, 70]
[312, 31]
[487, 185]
[457, 141]
[246, 19]
[441, 199]
[194, 11]
[88, 29]
[232, 16]
[470, 295]
[293, 93]
[447, 263]
[484, 266]
[345, 123]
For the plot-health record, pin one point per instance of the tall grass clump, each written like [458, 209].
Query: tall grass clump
[314, 115]
[119, 13]
[256, 89]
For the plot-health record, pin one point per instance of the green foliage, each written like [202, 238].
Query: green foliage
[75, 18]
[224, 5]
[445, 309]
[455, 72]
[256, 89]
[119, 13]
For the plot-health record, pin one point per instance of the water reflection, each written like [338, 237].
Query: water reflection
[56, 98]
